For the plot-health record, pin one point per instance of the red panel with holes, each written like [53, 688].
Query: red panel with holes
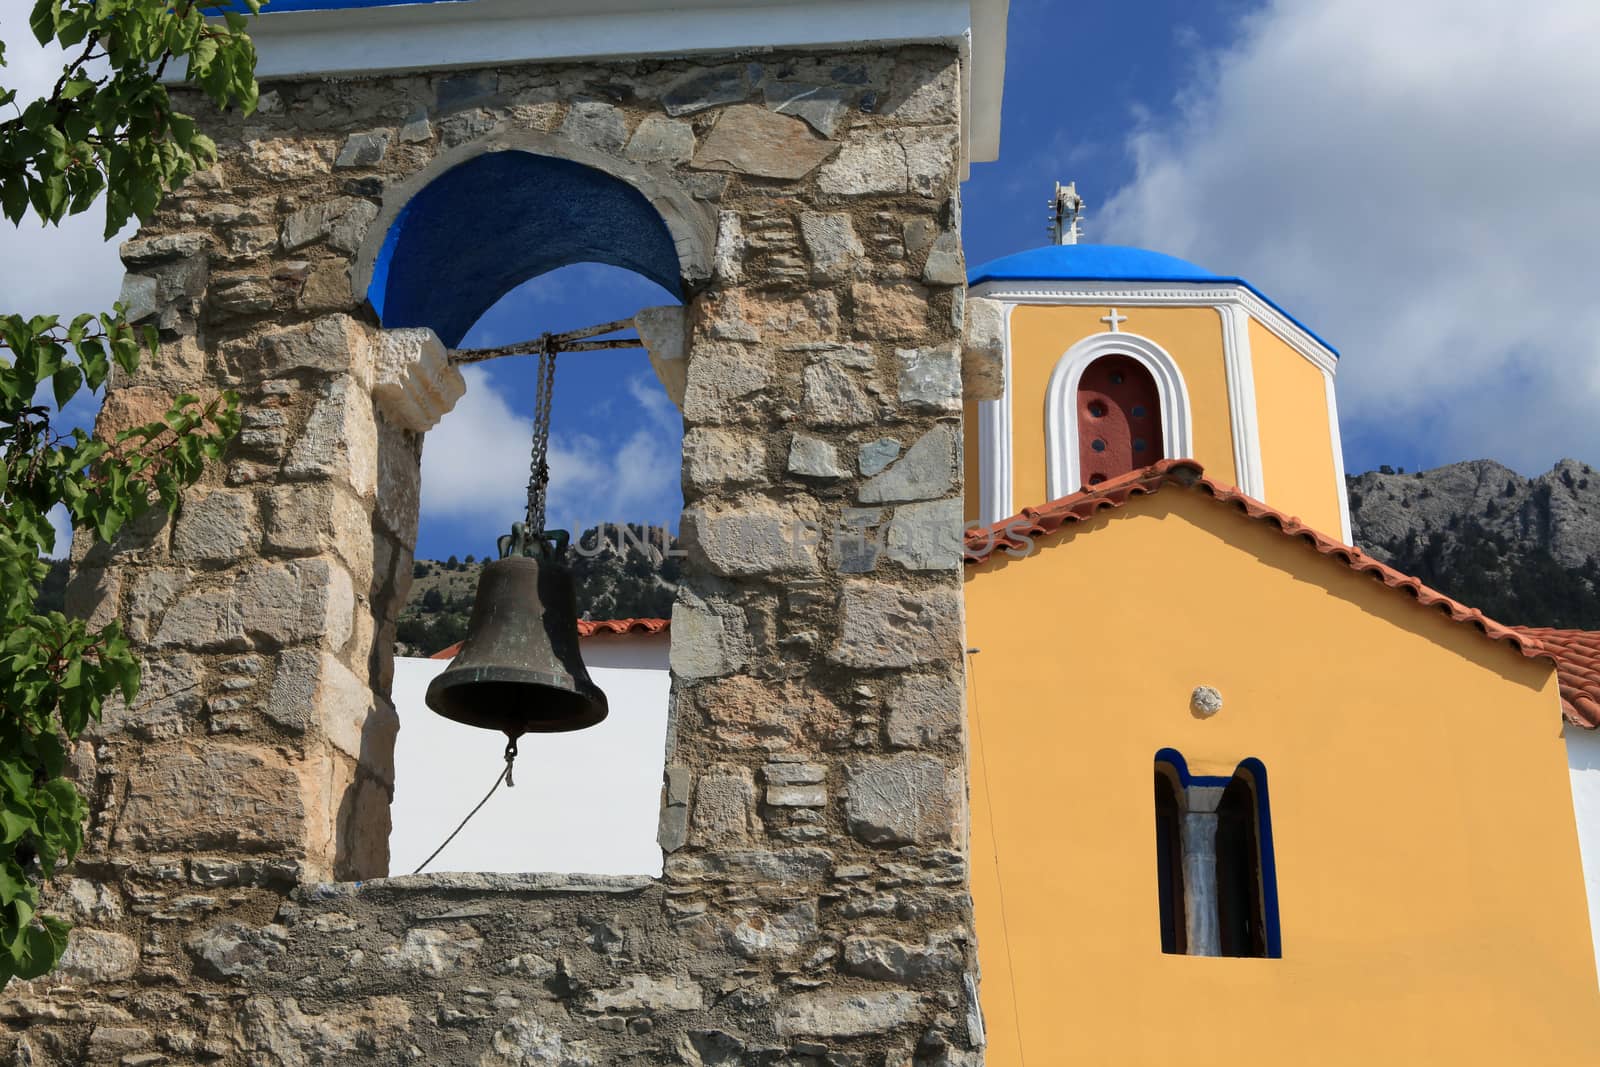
[1119, 419]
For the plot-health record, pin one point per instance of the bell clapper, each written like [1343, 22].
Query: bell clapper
[511, 757]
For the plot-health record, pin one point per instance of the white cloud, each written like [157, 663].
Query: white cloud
[475, 466]
[1416, 181]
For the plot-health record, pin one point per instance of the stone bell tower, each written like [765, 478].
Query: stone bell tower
[792, 171]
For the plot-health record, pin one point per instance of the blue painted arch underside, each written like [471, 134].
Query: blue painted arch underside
[487, 225]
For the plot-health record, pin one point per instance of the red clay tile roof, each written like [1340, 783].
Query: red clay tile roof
[588, 628]
[1187, 474]
[1577, 656]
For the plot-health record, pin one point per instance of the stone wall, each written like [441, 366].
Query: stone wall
[814, 908]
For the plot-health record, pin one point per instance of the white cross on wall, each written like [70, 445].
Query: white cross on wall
[1113, 319]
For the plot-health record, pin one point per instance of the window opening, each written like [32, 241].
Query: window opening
[1119, 424]
[1215, 864]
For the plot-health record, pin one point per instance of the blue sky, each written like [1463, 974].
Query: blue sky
[1414, 181]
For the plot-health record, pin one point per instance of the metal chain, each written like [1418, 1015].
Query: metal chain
[538, 466]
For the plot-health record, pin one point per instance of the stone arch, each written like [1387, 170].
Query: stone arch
[641, 220]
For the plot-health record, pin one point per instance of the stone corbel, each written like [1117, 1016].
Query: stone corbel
[414, 384]
[983, 367]
[663, 331]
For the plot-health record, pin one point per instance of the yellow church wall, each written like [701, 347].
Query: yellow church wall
[1041, 335]
[1297, 464]
[1431, 898]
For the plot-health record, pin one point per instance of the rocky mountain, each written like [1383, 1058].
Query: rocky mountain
[1526, 551]
[620, 571]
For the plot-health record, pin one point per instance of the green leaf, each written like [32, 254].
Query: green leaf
[65, 383]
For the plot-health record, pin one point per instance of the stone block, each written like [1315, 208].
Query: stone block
[706, 89]
[945, 265]
[720, 376]
[724, 808]
[399, 496]
[889, 311]
[97, 957]
[706, 642]
[140, 253]
[167, 705]
[641, 992]
[661, 140]
[866, 168]
[888, 960]
[900, 800]
[883, 625]
[983, 350]
[718, 459]
[672, 833]
[213, 798]
[876, 455]
[760, 934]
[93, 595]
[930, 155]
[754, 536]
[140, 296]
[664, 331]
[797, 796]
[269, 605]
[363, 149]
[832, 398]
[748, 139]
[314, 690]
[847, 1014]
[728, 259]
[434, 953]
[414, 383]
[831, 240]
[788, 866]
[342, 222]
[924, 711]
[822, 106]
[930, 378]
[273, 1029]
[234, 950]
[333, 344]
[813, 458]
[216, 527]
[926, 536]
[596, 124]
[303, 600]
[527, 1041]
[927, 470]
[340, 439]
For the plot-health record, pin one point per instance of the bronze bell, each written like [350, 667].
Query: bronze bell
[519, 670]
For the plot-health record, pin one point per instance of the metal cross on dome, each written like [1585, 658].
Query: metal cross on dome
[1113, 320]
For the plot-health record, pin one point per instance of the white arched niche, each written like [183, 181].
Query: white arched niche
[1060, 404]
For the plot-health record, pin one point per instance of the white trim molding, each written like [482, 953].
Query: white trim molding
[1338, 461]
[1247, 466]
[995, 476]
[1164, 294]
[1061, 409]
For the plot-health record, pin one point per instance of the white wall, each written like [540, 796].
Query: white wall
[585, 802]
[1583, 765]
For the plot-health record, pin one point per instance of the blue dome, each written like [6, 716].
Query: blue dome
[1110, 263]
[1091, 263]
